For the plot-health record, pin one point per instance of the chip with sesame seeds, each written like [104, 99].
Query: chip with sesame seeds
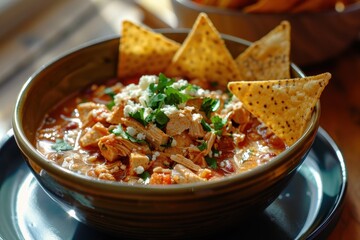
[143, 51]
[285, 106]
[269, 57]
[204, 55]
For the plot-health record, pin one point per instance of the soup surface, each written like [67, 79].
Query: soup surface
[155, 130]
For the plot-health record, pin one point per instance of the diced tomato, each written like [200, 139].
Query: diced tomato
[160, 178]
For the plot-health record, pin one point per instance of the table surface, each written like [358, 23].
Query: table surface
[33, 44]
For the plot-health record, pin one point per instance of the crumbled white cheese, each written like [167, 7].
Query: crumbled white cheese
[139, 170]
[173, 143]
[179, 84]
[146, 80]
[140, 136]
[155, 155]
[169, 109]
[196, 117]
[131, 131]
[131, 107]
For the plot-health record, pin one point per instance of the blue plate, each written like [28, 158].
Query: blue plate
[308, 208]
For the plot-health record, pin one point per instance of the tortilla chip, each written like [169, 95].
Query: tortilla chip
[269, 57]
[285, 106]
[142, 51]
[204, 55]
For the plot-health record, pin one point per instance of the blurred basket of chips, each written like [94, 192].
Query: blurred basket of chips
[321, 29]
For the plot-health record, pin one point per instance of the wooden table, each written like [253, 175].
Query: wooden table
[50, 34]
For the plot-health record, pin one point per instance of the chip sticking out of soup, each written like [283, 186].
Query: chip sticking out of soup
[269, 57]
[143, 51]
[204, 55]
[285, 105]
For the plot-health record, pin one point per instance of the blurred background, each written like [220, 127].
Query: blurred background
[325, 37]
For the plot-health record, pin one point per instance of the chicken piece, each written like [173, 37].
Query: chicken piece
[181, 174]
[153, 134]
[178, 123]
[210, 138]
[182, 140]
[138, 163]
[91, 113]
[92, 136]
[185, 161]
[111, 147]
[116, 114]
[196, 130]
[239, 114]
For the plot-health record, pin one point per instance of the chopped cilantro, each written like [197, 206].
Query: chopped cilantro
[159, 118]
[139, 116]
[145, 176]
[61, 145]
[156, 101]
[111, 93]
[163, 82]
[110, 104]
[175, 97]
[218, 124]
[119, 131]
[212, 163]
[205, 125]
[202, 146]
[210, 105]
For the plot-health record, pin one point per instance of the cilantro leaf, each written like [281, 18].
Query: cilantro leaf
[218, 124]
[205, 125]
[202, 146]
[139, 116]
[119, 131]
[145, 175]
[111, 94]
[156, 101]
[163, 83]
[159, 118]
[175, 97]
[61, 145]
[212, 163]
[209, 105]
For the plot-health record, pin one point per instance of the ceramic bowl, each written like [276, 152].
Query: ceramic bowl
[131, 211]
[315, 37]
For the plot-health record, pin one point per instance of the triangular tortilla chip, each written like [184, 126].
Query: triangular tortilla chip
[204, 55]
[142, 51]
[285, 106]
[269, 57]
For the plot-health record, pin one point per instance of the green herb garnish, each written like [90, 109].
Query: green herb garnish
[61, 145]
[159, 118]
[139, 116]
[202, 146]
[175, 97]
[218, 124]
[119, 131]
[145, 176]
[212, 163]
[111, 94]
[209, 105]
[205, 125]
[156, 101]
